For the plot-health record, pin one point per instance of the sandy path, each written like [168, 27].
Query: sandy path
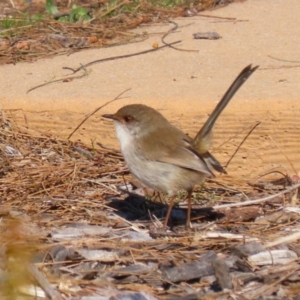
[184, 86]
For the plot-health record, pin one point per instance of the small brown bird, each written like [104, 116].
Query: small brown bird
[160, 155]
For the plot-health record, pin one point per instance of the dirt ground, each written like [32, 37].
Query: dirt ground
[184, 85]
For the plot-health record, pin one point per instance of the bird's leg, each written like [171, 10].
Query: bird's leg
[168, 213]
[188, 217]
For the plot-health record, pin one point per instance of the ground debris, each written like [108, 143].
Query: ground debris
[206, 35]
[27, 33]
[84, 238]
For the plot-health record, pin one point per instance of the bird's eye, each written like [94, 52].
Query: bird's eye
[127, 119]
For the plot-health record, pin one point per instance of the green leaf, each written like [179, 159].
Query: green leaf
[37, 17]
[51, 8]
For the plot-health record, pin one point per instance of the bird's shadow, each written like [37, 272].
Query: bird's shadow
[138, 208]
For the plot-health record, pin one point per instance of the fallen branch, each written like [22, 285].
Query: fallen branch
[65, 79]
[43, 282]
[97, 109]
[255, 201]
[118, 57]
[170, 45]
[285, 60]
[240, 145]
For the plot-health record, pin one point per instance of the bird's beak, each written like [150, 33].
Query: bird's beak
[109, 116]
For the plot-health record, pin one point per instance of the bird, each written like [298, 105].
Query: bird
[164, 158]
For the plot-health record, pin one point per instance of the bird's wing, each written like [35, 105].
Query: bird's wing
[187, 158]
[175, 148]
[212, 162]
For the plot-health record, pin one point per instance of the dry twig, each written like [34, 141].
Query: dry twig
[97, 109]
